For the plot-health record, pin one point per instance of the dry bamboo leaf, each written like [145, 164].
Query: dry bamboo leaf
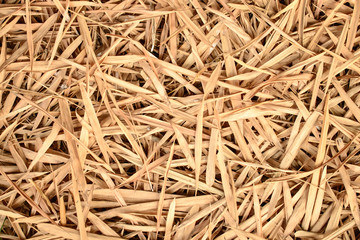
[9, 212]
[291, 152]
[79, 212]
[95, 124]
[45, 146]
[210, 166]
[340, 230]
[186, 232]
[228, 191]
[198, 144]
[40, 33]
[75, 160]
[28, 199]
[184, 146]
[319, 199]
[170, 220]
[353, 26]
[352, 106]
[296, 217]
[103, 227]
[351, 194]
[62, 211]
[162, 194]
[201, 214]
[315, 182]
[257, 214]
[69, 233]
[29, 36]
[9, 26]
[179, 119]
[247, 234]
[60, 32]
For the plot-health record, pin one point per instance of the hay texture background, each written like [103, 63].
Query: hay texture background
[179, 119]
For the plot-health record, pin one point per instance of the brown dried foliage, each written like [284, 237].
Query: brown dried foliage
[179, 119]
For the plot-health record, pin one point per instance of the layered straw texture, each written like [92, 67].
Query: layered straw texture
[179, 119]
